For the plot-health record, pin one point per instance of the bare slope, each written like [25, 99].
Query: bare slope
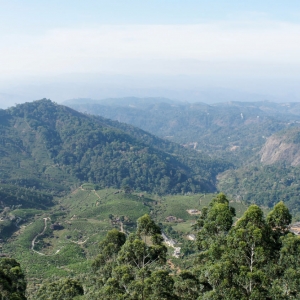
[283, 147]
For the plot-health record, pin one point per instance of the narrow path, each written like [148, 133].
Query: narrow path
[39, 234]
[17, 222]
[97, 194]
[80, 243]
[171, 243]
[122, 228]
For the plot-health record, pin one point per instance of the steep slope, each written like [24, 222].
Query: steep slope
[202, 165]
[273, 177]
[263, 185]
[50, 148]
[283, 148]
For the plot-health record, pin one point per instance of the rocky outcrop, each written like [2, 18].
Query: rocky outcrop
[281, 149]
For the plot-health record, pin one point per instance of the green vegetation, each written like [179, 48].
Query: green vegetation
[12, 280]
[60, 290]
[85, 216]
[85, 201]
[256, 258]
[47, 150]
[234, 131]
[264, 185]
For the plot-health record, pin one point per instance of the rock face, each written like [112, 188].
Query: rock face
[282, 148]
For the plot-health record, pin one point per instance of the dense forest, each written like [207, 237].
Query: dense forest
[47, 149]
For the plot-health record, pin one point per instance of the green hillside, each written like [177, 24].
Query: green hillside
[234, 131]
[68, 179]
[272, 177]
[260, 139]
[48, 149]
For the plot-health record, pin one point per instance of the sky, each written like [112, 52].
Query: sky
[192, 50]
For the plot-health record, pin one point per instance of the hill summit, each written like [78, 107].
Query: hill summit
[47, 148]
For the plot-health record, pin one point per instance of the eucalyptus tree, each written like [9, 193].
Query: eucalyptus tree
[12, 280]
[138, 268]
[63, 289]
[257, 258]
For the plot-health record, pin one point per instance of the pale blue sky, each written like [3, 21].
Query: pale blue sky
[36, 15]
[251, 45]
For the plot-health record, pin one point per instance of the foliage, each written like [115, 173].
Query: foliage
[131, 269]
[234, 130]
[62, 289]
[252, 260]
[12, 280]
[48, 149]
[264, 185]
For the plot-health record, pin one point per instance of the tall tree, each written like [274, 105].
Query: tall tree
[186, 286]
[257, 258]
[137, 271]
[279, 218]
[63, 289]
[286, 271]
[12, 280]
[107, 259]
[213, 225]
[249, 250]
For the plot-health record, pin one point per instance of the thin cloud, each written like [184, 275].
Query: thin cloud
[127, 49]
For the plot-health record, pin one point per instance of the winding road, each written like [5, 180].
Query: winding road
[39, 234]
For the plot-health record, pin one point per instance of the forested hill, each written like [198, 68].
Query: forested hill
[260, 139]
[273, 177]
[235, 130]
[48, 148]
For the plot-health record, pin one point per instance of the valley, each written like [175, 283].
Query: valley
[63, 240]
[257, 140]
[69, 179]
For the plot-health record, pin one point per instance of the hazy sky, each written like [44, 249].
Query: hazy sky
[83, 48]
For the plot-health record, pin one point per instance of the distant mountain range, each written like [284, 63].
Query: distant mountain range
[258, 138]
[232, 130]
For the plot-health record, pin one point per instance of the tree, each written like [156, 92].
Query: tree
[279, 218]
[159, 285]
[257, 258]
[63, 289]
[186, 286]
[134, 272]
[249, 251]
[146, 226]
[106, 260]
[214, 224]
[12, 280]
[286, 272]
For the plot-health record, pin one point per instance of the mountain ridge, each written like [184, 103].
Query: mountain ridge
[54, 147]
